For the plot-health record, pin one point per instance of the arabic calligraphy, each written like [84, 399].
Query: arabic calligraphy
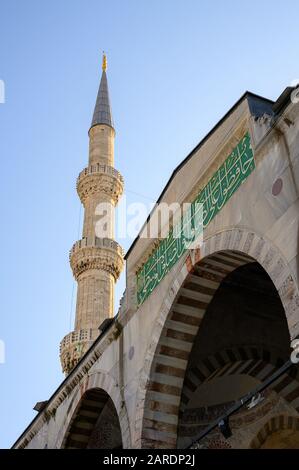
[222, 185]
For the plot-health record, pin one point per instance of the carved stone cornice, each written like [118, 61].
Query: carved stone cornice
[71, 382]
[100, 179]
[96, 253]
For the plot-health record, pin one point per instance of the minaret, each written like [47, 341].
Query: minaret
[97, 259]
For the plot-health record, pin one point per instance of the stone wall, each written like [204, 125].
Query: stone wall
[260, 221]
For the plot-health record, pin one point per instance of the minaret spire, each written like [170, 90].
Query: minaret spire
[102, 111]
[97, 259]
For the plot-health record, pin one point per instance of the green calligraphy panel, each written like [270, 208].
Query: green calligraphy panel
[222, 185]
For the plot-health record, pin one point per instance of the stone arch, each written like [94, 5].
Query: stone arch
[219, 255]
[103, 385]
[253, 361]
[250, 360]
[193, 421]
[274, 425]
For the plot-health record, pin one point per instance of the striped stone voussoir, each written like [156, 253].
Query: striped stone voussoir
[246, 360]
[85, 419]
[276, 423]
[164, 388]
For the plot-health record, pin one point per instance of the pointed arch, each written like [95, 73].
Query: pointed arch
[195, 280]
[255, 362]
[98, 390]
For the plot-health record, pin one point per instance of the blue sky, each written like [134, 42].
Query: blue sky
[175, 67]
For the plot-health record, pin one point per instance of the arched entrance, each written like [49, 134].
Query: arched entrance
[225, 332]
[95, 424]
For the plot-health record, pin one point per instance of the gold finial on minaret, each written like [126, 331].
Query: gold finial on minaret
[104, 64]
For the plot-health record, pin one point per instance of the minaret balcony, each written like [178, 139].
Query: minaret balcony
[97, 253]
[74, 345]
[100, 178]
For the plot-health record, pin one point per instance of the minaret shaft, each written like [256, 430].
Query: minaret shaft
[95, 299]
[94, 211]
[101, 145]
[96, 259]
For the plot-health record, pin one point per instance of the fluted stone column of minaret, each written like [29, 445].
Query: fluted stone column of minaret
[96, 259]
